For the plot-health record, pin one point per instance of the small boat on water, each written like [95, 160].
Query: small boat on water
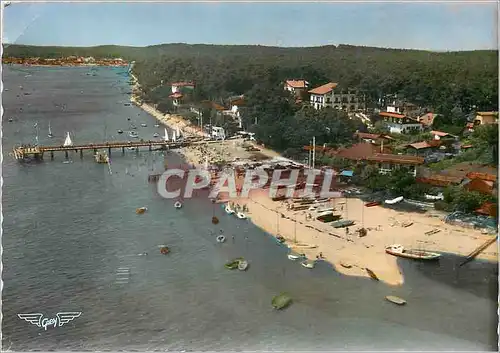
[399, 250]
[241, 215]
[164, 250]
[342, 223]
[372, 274]
[243, 265]
[215, 220]
[280, 239]
[157, 125]
[178, 204]
[133, 134]
[50, 135]
[141, 210]
[119, 131]
[11, 120]
[228, 209]
[220, 238]
[281, 301]
[308, 264]
[295, 256]
[101, 158]
[144, 125]
[395, 300]
[234, 263]
[371, 204]
[156, 134]
[394, 201]
[131, 148]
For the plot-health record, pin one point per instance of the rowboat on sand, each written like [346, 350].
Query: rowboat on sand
[399, 250]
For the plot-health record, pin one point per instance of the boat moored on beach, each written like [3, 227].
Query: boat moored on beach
[394, 201]
[295, 256]
[308, 264]
[399, 250]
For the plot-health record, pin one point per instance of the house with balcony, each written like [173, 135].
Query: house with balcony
[297, 87]
[400, 123]
[329, 95]
[177, 99]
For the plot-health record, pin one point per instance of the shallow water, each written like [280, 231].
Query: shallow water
[68, 228]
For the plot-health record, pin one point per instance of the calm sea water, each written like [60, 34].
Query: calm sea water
[68, 229]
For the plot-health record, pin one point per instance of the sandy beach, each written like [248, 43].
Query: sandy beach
[348, 253]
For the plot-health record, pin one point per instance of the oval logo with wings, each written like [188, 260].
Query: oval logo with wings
[39, 320]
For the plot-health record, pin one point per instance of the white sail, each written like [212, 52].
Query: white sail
[178, 132]
[174, 137]
[166, 135]
[50, 131]
[68, 141]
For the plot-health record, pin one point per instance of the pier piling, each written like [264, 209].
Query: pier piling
[81, 154]
[52, 155]
[66, 154]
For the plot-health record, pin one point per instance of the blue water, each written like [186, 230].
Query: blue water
[68, 228]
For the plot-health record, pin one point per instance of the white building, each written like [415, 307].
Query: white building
[296, 86]
[218, 133]
[327, 96]
[399, 123]
[176, 86]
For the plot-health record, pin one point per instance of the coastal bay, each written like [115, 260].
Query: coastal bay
[69, 227]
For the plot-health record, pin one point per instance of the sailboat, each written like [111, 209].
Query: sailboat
[50, 132]
[67, 141]
[166, 135]
[178, 132]
[174, 138]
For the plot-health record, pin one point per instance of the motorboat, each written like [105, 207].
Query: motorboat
[164, 250]
[228, 209]
[215, 220]
[131, 148]
[281, 301]
[177, 204]
[120, 131]
[280, 239]
[399, 250]
[157, 125]
[242, 265]
[372, 204]
[308, 264]
[395, 300]
[394, 201]
[141, 210]
[156, 134]
[220, 238]
[295, 256]
[241, 215]
[133, 134]
[342, 223]
[144, 125]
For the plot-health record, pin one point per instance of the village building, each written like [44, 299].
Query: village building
[297, 87]
[400, 123]
[427, 119]
[485, 118]
[373, 138]
[328, 95]
[178, 92]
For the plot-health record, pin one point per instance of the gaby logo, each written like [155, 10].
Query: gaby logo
[254, 179]
[38, 320]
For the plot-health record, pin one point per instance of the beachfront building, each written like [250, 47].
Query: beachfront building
[399, 123]
[328, 95]
[386, 163]
[373, 138]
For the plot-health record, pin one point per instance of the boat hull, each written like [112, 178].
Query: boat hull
[415, 254]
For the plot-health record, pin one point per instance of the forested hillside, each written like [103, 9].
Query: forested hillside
[438, 80]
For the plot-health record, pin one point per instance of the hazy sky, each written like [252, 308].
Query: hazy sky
[433, 26]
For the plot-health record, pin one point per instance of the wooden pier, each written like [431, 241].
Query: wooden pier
[37, 152]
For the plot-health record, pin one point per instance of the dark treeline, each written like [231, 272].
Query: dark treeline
[437, 80]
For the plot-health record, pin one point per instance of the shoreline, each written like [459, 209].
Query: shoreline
[347, 253]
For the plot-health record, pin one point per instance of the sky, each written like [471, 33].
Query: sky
[429, 26]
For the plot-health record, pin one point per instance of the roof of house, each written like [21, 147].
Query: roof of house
[420, 145]
[396, 158]
[439, 180]
[482, 176]
[180, 84]
[360, 151]
[460, 170]
[176, 95]
[487, 113]
[238, 102]
[466, 146]
[427, 119]
[297, 83]
[392, 115]
[366, 135]
[326, 88]
[479, 185]
[441, 133]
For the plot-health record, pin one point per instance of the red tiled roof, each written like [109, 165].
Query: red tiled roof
[440, 133]
[324, 89]
[238, 102]
[176, 95]
[360, 151]
[439, 180]
[396, 158]
[181, 84]
[466, 146]
[296, 83]
[427, 119]
[392, 115]
[425, 144]
[482, 176]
